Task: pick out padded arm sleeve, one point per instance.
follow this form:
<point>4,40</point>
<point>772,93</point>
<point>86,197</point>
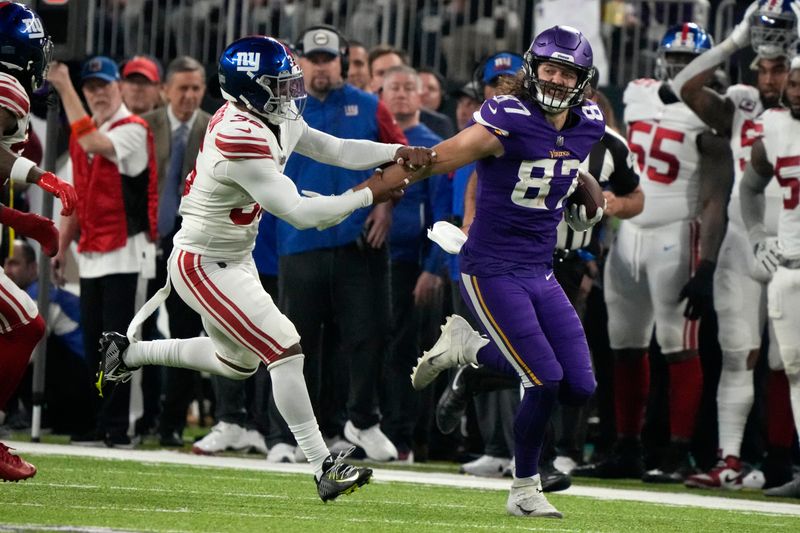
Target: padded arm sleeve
<point>354,154</point>
<point>278,194</point>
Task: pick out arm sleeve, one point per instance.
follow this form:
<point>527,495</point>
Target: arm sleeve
<point>624,179</point>
<point>354,154</point>
<point>130,147</point>
<point>388,130</point>
<point>276,193</point>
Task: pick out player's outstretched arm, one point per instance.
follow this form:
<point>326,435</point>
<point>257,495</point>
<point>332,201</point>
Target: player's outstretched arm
<point>471,144</point>
<point>278,194</point>
<point>690,83</point>
<point>359,154</point>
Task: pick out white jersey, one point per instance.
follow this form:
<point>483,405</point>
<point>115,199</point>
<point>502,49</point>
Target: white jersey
<point>219,217</point>
<point>782,144</point>
<point>664,138</point>
<point>14,98</point>
<point>241,163</point>
<point>16,307</point>
<point>745,129</point>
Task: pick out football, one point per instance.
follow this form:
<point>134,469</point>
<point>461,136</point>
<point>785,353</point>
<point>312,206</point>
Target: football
<point>588,193</point>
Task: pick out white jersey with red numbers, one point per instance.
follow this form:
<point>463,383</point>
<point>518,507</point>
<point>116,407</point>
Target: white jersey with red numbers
<point>745,129</point>
<point>663,136</point>
<point>782,144</point>
<point>220,219</point>
<point>16,307</point>
<point>14,98</point>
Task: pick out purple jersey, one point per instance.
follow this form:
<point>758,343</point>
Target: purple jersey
<point>521,194</point>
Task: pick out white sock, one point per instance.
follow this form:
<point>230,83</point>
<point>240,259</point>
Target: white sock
<point>195,354</point>
<point>734,401</point>
<point>291,399</point>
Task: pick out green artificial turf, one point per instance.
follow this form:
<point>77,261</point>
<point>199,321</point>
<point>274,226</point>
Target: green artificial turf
<point>84,493</point>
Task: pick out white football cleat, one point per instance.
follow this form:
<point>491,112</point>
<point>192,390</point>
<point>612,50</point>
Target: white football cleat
<point>227,436</point>
<point>486,466</point>
<point>375,444</point>
<point>281,453</point>
<point>457,345</point>
<point>527,499</point>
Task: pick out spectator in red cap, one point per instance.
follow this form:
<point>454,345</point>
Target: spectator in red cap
<point>141,85</point>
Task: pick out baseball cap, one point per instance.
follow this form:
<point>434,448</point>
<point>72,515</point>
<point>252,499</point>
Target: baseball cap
<point>502,64</point>
<point>321,40</point>
<point>471,90</point>
<point>100,67</point>
<point>142,66</point>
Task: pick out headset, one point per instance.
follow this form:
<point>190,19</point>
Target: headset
<point>344,45</point>
<point>477,73</point>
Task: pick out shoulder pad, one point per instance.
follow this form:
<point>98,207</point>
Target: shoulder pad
<point>242,137</point>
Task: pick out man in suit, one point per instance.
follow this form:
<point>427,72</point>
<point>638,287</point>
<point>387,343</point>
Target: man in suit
<point>178,130</point>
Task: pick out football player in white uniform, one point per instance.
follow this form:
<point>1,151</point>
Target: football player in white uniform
<point>777,153</point>
<point>237,174</point>
<point>661,257</point>
<point>24,53</point>
<point>740,295</point>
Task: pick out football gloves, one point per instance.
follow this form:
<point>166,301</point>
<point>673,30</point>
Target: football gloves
<point>60,189</point>
<point>577,218</point>
<point>768,252</point>
<point>741,32</point>
<point>699,291</point>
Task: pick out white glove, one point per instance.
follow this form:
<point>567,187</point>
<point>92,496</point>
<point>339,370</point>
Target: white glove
<point>768,254</point>
<point>577,219</point>
<point>312,194</point>
<point>448,236</point>
<point>741,32</point>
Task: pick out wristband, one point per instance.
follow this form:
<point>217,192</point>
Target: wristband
<point>83,126</point>
<point>19,172</point>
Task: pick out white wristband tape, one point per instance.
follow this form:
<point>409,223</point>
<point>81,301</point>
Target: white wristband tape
<point>20,169</point>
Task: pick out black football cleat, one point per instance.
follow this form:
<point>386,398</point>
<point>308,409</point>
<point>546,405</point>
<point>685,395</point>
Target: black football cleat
<point>112,368</point>
<point>553,480</point>
<point>453,402</point>
<point>624,462</point>
<point>340,478</point>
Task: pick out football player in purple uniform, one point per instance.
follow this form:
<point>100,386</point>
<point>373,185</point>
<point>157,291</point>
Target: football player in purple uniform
<point>528,144</point>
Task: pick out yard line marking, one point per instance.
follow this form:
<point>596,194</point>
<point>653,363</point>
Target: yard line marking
<point>392,521</point>
<point>407,476</point>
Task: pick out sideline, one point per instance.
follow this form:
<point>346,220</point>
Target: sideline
<point>409,476</point>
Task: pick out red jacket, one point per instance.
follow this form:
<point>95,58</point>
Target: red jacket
<point>113,206</point>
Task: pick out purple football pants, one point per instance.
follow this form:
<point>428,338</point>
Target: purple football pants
<point>537,335</point>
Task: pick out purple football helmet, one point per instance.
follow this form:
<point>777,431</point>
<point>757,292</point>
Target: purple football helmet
<point>564,46</point>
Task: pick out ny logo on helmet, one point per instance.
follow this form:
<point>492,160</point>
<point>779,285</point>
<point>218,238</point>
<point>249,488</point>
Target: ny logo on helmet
<point>34,28</point>
<point>247,61</point>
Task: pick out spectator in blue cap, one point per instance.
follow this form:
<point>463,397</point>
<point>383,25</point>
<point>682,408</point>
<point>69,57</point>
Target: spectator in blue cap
<point>496,66</point>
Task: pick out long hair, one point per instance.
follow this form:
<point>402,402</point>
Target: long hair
<point>513,85</point>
